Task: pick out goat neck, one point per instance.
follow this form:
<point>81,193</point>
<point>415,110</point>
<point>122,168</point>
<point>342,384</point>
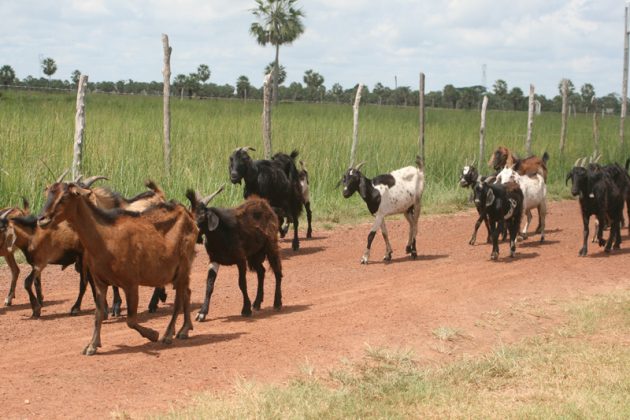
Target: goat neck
<point>369,194</point>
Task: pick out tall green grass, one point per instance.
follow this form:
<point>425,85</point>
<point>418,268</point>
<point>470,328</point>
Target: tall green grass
<point>124,142</point>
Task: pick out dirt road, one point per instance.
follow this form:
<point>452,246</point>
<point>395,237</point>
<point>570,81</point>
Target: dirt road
<point>334,307</point>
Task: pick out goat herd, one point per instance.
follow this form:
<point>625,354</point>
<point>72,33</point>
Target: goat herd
<point>149,241</point>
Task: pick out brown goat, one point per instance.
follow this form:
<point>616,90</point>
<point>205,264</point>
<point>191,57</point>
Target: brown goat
<point>128,249</point>
<point>503,157</point>
<point>7,251</point>
<point>241,236</point>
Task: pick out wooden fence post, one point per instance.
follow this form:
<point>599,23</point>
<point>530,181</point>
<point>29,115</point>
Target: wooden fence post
<point>166,72</point>
<point>79,127</point>
<point>595,125</point>
<point>624,87</point>
<point>355,127</point>
<point>267,115</point>
<point>563,129</point>
<point>530,120</point>
<point>421,103</point>
<point>482,129</point>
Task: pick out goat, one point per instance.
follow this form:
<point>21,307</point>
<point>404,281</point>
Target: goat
<point>288,164</point>
<point>503,157</point>
<point>244,235</point>
<point>534,196</point>
<point>399,191</point>
<point>468,178</point>
<point>268,179</point>
<point>7,251</point>
<point>598,195</point>
<point>128,249</point>
<point>504,204</point>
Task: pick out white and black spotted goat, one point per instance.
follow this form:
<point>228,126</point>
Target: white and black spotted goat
<point>394,193</point>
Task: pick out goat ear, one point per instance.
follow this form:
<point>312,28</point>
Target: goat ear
<point>569,175</point>
<point>10,239</point>
<point>489,198</point>
<point>213,220</point>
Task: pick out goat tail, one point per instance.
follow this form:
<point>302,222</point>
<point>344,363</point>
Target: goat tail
<point>150,184</point>
<point>26,207</point>
<point>419,162</point>
<point>294,154</point>
<point>627,164</point>
<point>545,157</point>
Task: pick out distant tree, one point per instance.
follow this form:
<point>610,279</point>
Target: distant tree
<point>612,101</point>
<point>7,75</point>
<point>379,91</point>
<point>337,92</point>
<point>570,87</point>
<point>296,90</point>
<point>279,23</point>
<point>120,86</point>
<point>75,76</point>
<point>203,73</point>
<point>180,83</point>
<point>49,67</point>
<point>314,83</point>
<point>242,87</point>
<point>516,98</point>
<point>500,89</point>
<point>450,95</point>
<point>587,93</point>
<point>282,73</point>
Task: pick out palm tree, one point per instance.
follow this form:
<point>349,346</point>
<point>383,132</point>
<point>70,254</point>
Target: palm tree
<point>280,22</point>
<point>49,67</point>
<point>7,75</point>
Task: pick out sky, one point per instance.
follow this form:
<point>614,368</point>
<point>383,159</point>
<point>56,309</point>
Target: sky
<point>346,41</point>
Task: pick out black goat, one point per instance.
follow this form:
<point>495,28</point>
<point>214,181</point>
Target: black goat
<point>503,204</point>
<point>598,195</point>
<point>268,179</point>
<point>288,164</point>
<point>469,177</point>
<point>244,235</point>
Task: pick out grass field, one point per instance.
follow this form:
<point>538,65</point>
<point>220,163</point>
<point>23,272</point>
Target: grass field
<point>580,370</point>
<point>124,142</point>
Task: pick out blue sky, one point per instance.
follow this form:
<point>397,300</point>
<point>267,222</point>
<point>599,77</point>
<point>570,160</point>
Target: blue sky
<point>347,41</point>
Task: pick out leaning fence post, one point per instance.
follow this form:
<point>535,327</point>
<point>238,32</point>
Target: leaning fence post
<point>267,115</point>
<point>421,104</point>
<point>166,72</point>
<point>482,128</point>
<point>530,120</point>
<point>565,102</point>
<point>355,127</point>
<point>594,102</point>
<point>79,127</point>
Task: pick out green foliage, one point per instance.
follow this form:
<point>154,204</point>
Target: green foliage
<point>123,141</point>
<point>49,67</point>
<point>7,75</point>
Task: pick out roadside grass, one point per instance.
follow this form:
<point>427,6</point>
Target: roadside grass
<point>582,370</point>
<point>123,141</point>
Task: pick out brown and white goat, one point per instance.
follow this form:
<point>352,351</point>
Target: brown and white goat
<point>242,236</point>
<point>504,158</point>
<point>128,250</point>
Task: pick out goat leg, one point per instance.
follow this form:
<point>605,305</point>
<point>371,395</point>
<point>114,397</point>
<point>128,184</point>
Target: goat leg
<point>35,305</point>
<point>260,291</point>
<point>583,251</point>
<point>99,315</point>
<point>183,332</point>
<point>212,275</point>
<point>388,246</point>
<point>38,288</point>
<point>242,284</point>
<point>473,238</point>
<point>495,239</point>
<point>296,242</point>
<point>276,267</point>
<point>76,308</point>
<point>159,293</point>
<point>309,216</point>
<point>131,295</point>
<point>15,272</point>
<point>117,303</point>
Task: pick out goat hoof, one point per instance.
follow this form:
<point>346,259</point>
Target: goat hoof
<point>364,261</point>
<point>74,311</point>
<point>602,242</point>
<point>182,335</point>
<point>166,340</point>
<point>494,256</point>
<point>152,335</point>
<point>542,239</point>
<point>471,242</point>
<point>387,257</point>
<point>582,253</point>
<point>309,234</point>
<point>607,250</point>
<point>247,312</point>
<point>200,317</point>
<point>152,309</point>
<point>162,295</point>
<point>7,302</point>
<point>256,306</point>
<point>277,306</point>
<point>414,255</point>
<point>89,350</point>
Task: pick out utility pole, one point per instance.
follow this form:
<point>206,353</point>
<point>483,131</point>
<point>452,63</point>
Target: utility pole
<point>624,87</point>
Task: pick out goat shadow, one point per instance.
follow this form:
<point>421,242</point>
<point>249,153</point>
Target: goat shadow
<point>519,256</point>
<point>536,243</point>
<point>164,309</point>
<point>154,349</point>
<point>408,259</point>
<point>27,305</point>
<point>288,253</point>
<point>611,254</point>
<point>264,313</point>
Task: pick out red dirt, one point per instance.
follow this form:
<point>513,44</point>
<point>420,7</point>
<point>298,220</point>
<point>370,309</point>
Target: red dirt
<point>334,307</point>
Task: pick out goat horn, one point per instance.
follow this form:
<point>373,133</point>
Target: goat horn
<point>77,179</point>
<point>4,215</point>
<point>597,158</point>
<point>91,180</point>
<point>245,149</point>
<point>356,168</point>
<point>209,198</point>
<point>63,175</point>
<point>577,161</point>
